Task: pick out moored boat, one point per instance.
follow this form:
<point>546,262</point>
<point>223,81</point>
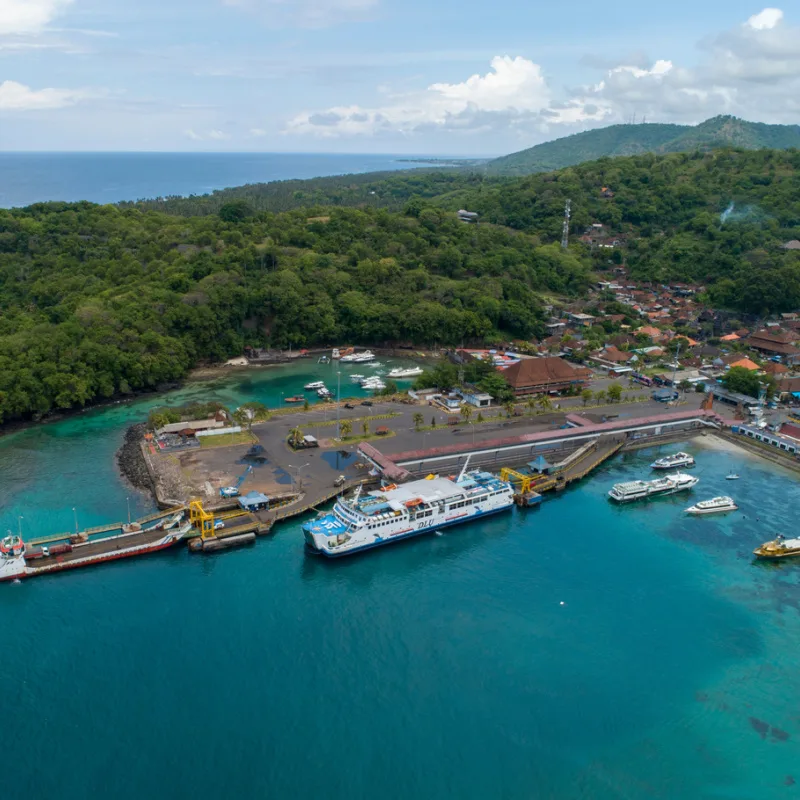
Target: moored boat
<point>716,505</point>
<point>405,372</point>
<point>400,512</point>
<point>779,547</point>
<point>675,461</point>
<point>732,477</point>
<point>314,385</point>
<point>298,398</point>
<point>637,490</point>
<point>18,561</point>
<point>335,353</point>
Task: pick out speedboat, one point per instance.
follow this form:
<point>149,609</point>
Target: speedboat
<point>315,385</point>
<point>716,505</point>
<point>323,392</point>
<point>732,477</point>
<point>355,377</point>
<point>675,461</point>
<point>405,372</point>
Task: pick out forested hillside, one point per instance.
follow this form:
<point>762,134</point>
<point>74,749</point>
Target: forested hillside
<point>717,218</point>
<point>625,140</point>
<point>98,300</point>
<point>390,190</point>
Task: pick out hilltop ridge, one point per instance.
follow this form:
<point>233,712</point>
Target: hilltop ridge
<point>650,137</point>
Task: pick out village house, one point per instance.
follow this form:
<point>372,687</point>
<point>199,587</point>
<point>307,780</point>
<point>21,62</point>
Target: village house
<point>775,343</point>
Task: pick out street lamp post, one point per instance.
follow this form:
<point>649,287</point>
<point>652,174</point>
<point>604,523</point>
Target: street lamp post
<point>19,526</point>
<point>338,403</point>
<point>128,501</point>
<point>297,469</point>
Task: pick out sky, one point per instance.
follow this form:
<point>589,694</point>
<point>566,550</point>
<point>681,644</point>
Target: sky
<point>449,77</point>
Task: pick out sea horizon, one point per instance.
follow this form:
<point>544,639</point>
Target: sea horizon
<point>28,177</point>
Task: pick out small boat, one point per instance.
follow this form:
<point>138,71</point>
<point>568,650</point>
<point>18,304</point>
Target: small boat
<point>356,378</point>
<point>717,505</point>
<point>779,547</point>
<point>298,398</point>
<point>407,372</point>
<point>314,385</point>
<point>335,353</point>
<point>323,393</point>
<point>675,461</point>
<point>323,360</point>
<point>732,477</point>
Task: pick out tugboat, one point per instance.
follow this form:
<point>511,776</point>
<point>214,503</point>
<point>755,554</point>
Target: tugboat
<point>717,505</point>
<point>675,461</point>
<point>779,547</point>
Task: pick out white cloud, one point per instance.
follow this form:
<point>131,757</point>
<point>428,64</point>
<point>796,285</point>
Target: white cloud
<point>513,88</point>
<point>257,133</point>
<point>304,13</point>
<point>766,19</point>
<point>751,71</point>
<point>18,97</point>
<point>212,135</point>
<point>28,16</point>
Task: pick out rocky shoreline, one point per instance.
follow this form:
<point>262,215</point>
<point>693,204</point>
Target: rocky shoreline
<point>131,461</point>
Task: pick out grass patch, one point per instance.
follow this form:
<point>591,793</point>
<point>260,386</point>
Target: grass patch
<point>227,440</point>
<point>361,438</point>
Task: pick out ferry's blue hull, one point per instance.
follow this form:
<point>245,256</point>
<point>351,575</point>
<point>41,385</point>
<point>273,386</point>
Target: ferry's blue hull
<point>409,535</point>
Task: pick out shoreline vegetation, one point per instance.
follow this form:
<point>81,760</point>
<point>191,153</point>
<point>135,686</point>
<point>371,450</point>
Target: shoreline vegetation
<point>105,302</point>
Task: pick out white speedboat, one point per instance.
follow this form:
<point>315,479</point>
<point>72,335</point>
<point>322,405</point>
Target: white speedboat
<point>356,378</point>
<point>675,461</point>
<point>636,490</point>
<point>315,385</point>
<point>716,505</point>
<point>405,372</point>
<point>323,392</point>
<point>732,477</point>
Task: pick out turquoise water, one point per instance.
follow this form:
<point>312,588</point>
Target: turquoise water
<point>579,651</point>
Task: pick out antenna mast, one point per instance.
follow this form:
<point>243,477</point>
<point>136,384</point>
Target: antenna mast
<point>565,231</point>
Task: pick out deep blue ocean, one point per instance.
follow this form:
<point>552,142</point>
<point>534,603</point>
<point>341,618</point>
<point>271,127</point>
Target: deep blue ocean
<point>583,650</point>
<point>27,178</point>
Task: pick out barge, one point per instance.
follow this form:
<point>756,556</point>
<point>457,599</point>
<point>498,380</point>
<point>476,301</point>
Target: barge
<point>18,561</point>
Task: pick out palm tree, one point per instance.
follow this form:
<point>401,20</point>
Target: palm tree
<point>479,418</point>
<point>296,436</point>
<point>586,396</point>
<point>346,428</point>
<point>545,403</point>
<point>418,420</point>
<point>531,404</point>
<point>365,427</point>
<point>466,412</point>
<point>508,407</point>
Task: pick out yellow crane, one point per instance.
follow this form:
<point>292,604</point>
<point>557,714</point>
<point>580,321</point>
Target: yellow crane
<point>507,474</point>
<point>201,519</point>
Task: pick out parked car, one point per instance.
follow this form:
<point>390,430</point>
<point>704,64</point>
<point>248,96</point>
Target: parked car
<point>366,403</point>
<point>219,524</point>
<point>349,405</point>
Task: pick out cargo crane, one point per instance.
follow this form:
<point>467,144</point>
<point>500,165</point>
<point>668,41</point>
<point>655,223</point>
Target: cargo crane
<point>233,491</point>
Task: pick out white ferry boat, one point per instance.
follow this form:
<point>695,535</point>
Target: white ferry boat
<point>400,512</point>
<point>357,358</point>
<point>675,461</point>
<point>408,372</point>
<point>636,490</point>
<point>315,385</point>
<point>717,505</point>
